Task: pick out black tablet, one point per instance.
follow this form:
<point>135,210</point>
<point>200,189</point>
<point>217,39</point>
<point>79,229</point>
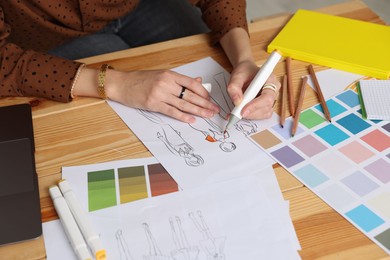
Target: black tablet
<point>16,123</point>
<point>20,217</point>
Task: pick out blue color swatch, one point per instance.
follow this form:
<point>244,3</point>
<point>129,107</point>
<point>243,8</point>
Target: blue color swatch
<point>335,108</point>
<point>364,218</point>
<point>311,176</point>
<point>285,131</point>
<point>349,98</point>
<point>353,123</point>
<point>331,134</point>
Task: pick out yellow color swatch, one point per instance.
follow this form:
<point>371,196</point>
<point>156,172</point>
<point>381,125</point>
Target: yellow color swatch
<point>337,42</point>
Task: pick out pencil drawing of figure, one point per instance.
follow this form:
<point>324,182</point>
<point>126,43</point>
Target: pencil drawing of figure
<point>183,250</point>
<point>173,140</point>
<point>245,126</point>
<point>213,246</point>
<point>224,102</point>
<point>215,134</point>
<point>154,252</point>
<point>124,252</point>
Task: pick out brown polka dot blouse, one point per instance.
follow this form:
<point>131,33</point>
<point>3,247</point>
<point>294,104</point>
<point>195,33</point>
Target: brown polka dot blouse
<point>28,28</point>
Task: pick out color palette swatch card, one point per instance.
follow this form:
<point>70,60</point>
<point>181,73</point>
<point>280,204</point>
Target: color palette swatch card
<point>111,184</point>
<point>375,99</point>
<point>345,162</point>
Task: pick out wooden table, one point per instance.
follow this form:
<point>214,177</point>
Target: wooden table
<point>87,131</point>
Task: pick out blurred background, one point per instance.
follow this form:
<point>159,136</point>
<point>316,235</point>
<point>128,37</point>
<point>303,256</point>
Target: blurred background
<point>262,8</point>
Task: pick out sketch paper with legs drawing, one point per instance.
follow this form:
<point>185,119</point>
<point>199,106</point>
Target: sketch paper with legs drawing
<point>233,219</point>
<point>200,153</point>
<point>235,214</point>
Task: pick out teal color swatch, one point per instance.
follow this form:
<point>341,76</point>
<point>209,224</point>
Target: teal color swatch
<point>335,108</point>
<point>331,134</point>
<point>353,123</point>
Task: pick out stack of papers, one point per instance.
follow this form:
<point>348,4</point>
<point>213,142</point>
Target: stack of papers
<point>241,218</point>
<point>375,99</point>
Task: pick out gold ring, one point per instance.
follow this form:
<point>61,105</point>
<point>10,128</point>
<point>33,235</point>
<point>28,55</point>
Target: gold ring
<point>270,86</point>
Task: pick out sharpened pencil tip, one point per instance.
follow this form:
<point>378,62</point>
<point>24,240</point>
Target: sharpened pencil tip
<point>282,126</point>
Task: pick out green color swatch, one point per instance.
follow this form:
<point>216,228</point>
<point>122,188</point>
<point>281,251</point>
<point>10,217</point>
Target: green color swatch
<point>101,190</point>
<point>310,119</point>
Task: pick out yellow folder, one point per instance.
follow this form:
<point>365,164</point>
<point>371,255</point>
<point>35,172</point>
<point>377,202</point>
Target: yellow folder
<point>337,42</point>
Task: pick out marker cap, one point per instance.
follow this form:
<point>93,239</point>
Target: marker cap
<point>101,255</point>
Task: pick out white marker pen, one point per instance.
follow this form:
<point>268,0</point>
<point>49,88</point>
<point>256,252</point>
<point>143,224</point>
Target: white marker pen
<point>71,229</point>
<point>254,87</point>
<point>89,233</point>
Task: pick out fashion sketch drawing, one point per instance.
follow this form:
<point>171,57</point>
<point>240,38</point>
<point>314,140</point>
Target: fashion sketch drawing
<point>173,140</point>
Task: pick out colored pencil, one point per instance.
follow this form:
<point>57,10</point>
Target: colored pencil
<point>290,86</point>
<point>284,101</point>
<point>319,93</point>
<point>299,106</point>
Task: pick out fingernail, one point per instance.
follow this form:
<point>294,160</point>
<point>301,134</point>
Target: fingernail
<point>236,100</point>
<point>245,113</point>
<point>209,113</point>
<point>191,120</point>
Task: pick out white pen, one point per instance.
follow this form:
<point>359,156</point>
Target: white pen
<point>254,87</point>
<point>89,233</point>
<point>71,229</point>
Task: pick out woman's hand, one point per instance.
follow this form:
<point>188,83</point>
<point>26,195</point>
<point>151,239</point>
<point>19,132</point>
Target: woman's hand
<point>262,106</point>
<point>160,91</point>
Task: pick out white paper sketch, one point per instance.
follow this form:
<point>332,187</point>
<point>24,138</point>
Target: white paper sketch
<point>248,211</point>
<point>154,251</point>
<point>173,140</point>
<point>212,155</point>
<point>214,246</point>
<point>245,126</point>
<point>123,247</point>
<point>215,134</point>
<point>183,250</point>
<point>221,99</point>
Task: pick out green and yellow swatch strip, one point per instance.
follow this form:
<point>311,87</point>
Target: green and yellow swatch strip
<point>101,189</point>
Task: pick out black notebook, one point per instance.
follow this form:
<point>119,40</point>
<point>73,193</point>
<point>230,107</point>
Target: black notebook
<point>20,217</point>
<point>16,123</point>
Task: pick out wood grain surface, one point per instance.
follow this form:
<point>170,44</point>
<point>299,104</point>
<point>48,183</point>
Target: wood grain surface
<point>87,131</point>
